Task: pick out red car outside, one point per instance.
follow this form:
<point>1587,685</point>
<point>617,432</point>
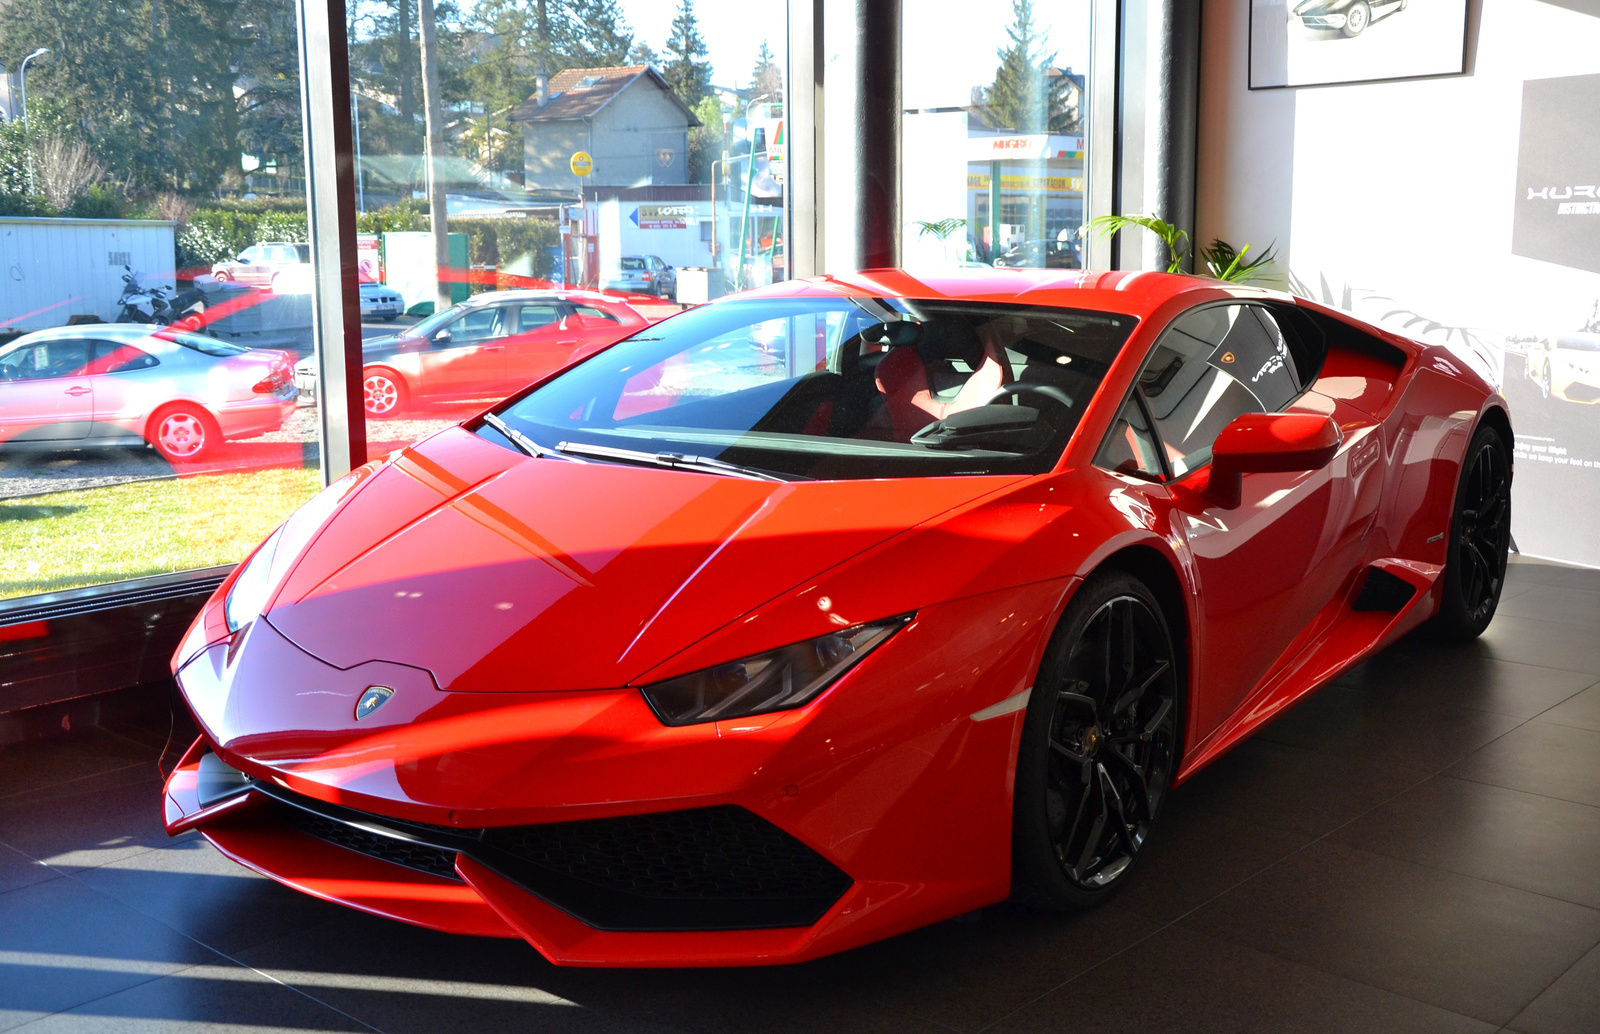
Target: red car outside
<point>485,348</point>
<point>833,609</point>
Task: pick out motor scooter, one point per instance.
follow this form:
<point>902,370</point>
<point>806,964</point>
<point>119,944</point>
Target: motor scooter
<point>140,304</point>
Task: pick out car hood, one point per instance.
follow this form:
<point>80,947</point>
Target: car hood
<point>502,573</point>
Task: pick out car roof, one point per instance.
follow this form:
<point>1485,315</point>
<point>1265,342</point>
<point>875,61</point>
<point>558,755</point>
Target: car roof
<point>1128,292</point>
<point>128,332</point>
<point>518,294</point>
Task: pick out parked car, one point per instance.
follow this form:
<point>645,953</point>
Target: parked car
<point>380,301</point>
<point>261,265</point>
<point>1567,367</point>
<point>806,654</point>
<point>486,347</point>
<point>119,384</point>
<point>642,274</point>
<point>1350,17</point>
<point>1043,253</point>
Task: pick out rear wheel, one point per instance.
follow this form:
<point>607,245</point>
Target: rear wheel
<point>183,433</point>
<point>383,392</point>
<point>1099,746</point>
<point>1479,540</point>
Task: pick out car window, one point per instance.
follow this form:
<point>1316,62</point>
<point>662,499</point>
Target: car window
<point>1212,365</point>
<point>477,325</point>
<point>532,317</point>
<point>286,253</point>
<point>302,253</point>
<point>1130,448</point>
<point>120,357</point>
<point>44,360</point>
<point>249,254</point>
<point>633,263</point>
<point>590,310</point>
<point>839,388</point>
<point>205,345</point>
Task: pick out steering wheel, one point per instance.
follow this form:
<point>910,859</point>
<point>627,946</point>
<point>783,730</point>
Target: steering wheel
<point>1049,391</point>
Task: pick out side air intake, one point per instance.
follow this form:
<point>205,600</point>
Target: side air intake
<point>1383,591</point>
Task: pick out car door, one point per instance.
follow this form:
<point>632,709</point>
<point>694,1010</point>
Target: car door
<point>466,357</point>
<point>1266,568</point>
<point>537,347</point>
<point>45,391</point>
<point>125,395</point>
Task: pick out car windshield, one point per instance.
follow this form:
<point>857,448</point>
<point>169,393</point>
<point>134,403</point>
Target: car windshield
<point>206,345</point>
<point>633,263</point>
<point>835,388</point>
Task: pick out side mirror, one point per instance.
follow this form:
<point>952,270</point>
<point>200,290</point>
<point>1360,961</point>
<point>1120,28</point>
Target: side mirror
<point>441,337</point>
<point>1268,443</point>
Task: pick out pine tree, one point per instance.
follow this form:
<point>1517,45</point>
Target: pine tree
<point>687,70</point>
<point>593,34</point>
<point>766,79</point>
<point>1024,95</point>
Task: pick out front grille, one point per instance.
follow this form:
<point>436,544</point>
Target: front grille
<point>435,861</point>
<point>718,868</point>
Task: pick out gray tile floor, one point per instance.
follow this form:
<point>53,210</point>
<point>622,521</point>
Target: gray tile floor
<point>1415,849</point>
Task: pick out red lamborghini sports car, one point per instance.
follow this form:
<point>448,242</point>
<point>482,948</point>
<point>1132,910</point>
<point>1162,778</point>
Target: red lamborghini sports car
<point>834,609</point>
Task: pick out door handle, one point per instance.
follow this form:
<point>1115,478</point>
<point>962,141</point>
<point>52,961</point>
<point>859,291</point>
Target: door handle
<point>80,390</point>
<point>494,348</point>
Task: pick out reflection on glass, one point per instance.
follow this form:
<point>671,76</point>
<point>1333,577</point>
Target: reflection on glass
<point>994,134</point>
<point>602,165</point>
<point>148,420</point>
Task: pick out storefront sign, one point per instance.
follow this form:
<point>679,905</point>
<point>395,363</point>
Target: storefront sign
<point>1050,184</point>
<point>662,217</point>
<point>1024,146</point>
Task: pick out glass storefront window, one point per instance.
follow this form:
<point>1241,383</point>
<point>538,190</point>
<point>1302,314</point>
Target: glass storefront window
<point>995,133</point>
<point>600,166</point>
<point>155,294</point>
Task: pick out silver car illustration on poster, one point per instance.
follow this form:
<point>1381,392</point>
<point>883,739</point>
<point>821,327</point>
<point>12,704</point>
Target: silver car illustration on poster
<point>1316,42</point>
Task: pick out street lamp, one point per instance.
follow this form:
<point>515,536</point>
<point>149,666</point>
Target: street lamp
<point>22,90</point>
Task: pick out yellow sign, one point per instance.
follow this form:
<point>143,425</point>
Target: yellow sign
<point>1052,184</point>
<point>581,163</point>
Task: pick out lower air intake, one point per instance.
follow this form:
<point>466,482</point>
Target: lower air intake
<point>426,858</point>
<point>719,868</point>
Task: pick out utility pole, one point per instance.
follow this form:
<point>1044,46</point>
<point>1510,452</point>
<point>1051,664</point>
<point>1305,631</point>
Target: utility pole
<point>434,117</point>
<point>22,89</point>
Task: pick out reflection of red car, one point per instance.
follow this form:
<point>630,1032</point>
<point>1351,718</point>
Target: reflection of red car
<point>110,384</point>
<point>486,347</point>
<point>823,612</point>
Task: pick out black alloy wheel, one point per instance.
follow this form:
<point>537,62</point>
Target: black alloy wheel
<point>1479,539</point>
<point>1099,746</point>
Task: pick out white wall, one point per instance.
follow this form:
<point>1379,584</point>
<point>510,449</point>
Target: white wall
<point>52,269</point>
<point>1396,200</point>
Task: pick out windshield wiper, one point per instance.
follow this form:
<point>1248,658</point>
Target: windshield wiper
<point>523,442</point>
<point>673,460</point>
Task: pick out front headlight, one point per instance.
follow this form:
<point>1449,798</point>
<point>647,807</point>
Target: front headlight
<point>783,679</point>
<point>253,586</point>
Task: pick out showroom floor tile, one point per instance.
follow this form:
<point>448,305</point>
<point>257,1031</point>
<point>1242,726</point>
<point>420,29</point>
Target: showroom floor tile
<point>1416,849</point>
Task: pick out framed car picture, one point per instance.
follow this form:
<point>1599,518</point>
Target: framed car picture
<point>1315,42</point>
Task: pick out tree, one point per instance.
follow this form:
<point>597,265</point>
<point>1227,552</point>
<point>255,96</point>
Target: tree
<point>148,86</point>
<point>267,87</point>
<point>593,34</point>
<point>687,70</point>
<point>766,79</point>
<point>705,140</point>
<point>1025,95</point>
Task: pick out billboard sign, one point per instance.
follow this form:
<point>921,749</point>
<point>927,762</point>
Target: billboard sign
<point>662,217</point>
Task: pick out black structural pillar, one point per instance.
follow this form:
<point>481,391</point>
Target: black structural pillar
<point>876,136</point>
<point>1158,112</point>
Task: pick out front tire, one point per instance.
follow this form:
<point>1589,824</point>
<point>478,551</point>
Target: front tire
<point>1479,540</point>
<point>1099,746</point>
<point>1357,19</point>
<point>383,393</point>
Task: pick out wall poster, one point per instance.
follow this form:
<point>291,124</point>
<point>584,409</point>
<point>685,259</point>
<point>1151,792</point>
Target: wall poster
<point>1315,42</point>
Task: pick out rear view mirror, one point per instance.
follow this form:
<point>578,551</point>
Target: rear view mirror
<point>1268,443</point>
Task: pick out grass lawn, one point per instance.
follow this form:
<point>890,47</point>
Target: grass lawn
<point>69,539</point>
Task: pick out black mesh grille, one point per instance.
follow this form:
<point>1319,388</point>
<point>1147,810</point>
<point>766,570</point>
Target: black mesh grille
<point>422,857</point>
<point>707,868</point>
<point>719,868</point>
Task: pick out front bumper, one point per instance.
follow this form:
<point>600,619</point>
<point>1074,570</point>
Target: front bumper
<point>882,806</point>
<point>1322,21</point>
